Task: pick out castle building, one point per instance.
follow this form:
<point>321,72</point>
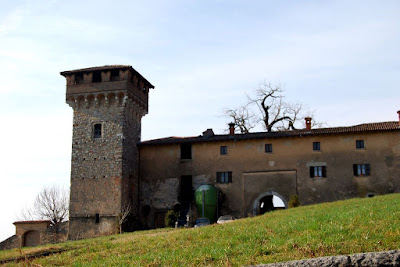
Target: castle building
<point>113,172</point>
<point>108,104</point>
<point>112,169</point>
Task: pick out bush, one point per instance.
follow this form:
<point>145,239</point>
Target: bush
<point>294,201</point>
<point>170,218</point>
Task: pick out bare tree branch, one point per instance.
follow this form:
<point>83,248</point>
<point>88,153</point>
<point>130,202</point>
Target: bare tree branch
<point>274,112</point>
<point>52,203</point>
<point>242,118</point>
<point>126,210</point>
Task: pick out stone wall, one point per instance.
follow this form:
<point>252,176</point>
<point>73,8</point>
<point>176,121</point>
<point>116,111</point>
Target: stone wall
<point>44,234</point>
<point>372,259</point>
<point>104,169</point>
<point>10,243</point>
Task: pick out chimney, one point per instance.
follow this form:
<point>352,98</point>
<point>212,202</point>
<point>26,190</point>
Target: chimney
<point>208,133</point>
<point>308,123</point>
<point>231,128</point>
<point>398,112</point>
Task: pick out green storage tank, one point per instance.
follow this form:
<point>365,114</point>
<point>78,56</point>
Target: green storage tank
<point>207,202</point>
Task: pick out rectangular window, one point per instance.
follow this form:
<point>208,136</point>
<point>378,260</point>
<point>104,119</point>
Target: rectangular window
<point>317,146</point>
<point>224,177</point>
<point>97,130</point>
<point>97,219</point>
<point>268,148</point>
<point>115,75</point>
<point>224,150</point>
<point>186,151</point>
<point>317,171</point>
<point>96,77</point>
<point>360,144</point>
<point>361,169</point>
<point>79,78</point>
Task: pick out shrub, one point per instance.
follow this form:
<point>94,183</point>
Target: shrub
<point>170,218</point>
<point>294,201</point>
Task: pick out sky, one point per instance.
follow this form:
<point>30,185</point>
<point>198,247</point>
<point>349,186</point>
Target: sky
<point>340,58</point>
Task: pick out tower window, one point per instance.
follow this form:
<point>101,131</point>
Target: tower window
<point>96,77</point>
<point>97,130</point>
<point>186,151</point>
<point>97,218</point>
<point>79,78</point>
<point>114,75</point>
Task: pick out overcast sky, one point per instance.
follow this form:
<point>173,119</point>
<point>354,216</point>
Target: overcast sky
<point>340,58</point>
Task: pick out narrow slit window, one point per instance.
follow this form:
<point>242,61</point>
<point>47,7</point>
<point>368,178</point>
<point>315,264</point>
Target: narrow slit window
<point>97,130</point>
<point>97,218</point>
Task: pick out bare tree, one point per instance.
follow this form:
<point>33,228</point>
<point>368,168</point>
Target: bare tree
<point>126,210</point>
<point>52,203</point>
<point>272,110</point>
<point>242,118</point>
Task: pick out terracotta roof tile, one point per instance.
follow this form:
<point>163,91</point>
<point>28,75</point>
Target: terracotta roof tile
<point>28,222</point>
<point>106,67</point>
<point>366,127</point>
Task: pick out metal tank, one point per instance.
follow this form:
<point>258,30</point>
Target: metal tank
<point>207,201</point>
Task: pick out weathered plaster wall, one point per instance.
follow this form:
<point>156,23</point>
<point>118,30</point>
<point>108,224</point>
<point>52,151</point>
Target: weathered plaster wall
<point>285,171</point>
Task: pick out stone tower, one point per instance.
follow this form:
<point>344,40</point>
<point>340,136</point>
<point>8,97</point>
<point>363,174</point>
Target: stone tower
<point>108,104</point>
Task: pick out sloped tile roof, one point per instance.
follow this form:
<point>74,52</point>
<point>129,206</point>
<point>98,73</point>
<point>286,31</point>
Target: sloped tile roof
<point>106,67</point>
<point>366,127</point>
<point>28,222</point>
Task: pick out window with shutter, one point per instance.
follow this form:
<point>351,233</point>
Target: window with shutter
<point>224,177</point>
<point>317,171</point>
<point>361,169</point>
<point>316,146</point>
<point>268,148</point>
<point>360,144</point>
<point>224,150</point>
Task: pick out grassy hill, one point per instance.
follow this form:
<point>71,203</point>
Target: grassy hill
<point>343,227</point>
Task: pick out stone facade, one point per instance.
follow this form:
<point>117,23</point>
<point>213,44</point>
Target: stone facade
<point>33,233</point>
<point>111,168</point>
<point>108,104</point>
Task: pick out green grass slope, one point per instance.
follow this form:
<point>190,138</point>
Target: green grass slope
<point>343,227</point>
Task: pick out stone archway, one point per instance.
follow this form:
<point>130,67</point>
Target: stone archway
<point>31,238</point>
<point>267,198</point>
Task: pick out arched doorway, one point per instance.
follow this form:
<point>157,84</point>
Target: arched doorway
<point>268,201</point>
<point>31,239</point>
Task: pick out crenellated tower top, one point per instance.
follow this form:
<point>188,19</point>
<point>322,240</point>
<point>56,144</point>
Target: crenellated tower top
<point>106,85</point>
